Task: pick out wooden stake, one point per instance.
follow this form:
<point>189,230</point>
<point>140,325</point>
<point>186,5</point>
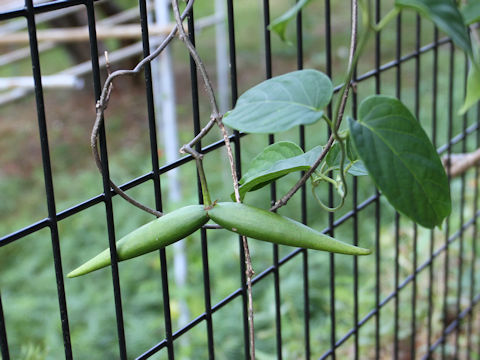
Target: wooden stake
<point>80,34</point>
<point>460,163</point>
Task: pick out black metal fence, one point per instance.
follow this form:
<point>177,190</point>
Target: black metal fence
<point>414,298</point>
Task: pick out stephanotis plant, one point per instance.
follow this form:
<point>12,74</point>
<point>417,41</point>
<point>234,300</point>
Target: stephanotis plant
<point>385,142</point>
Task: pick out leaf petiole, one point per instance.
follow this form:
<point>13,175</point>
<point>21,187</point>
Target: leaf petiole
<point>323,177</point>
<point>392,14</point>
<point>350,164</point>
<point>327,119</point>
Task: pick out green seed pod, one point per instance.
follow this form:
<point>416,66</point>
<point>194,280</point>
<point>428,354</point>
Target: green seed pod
<point>154,235</point>
<point>267,226</point>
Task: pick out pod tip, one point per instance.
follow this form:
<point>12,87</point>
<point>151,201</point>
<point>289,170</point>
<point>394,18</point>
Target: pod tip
<point>77,272</point>
<point>365,251</point>
<point>72,274</point>
<point>100,261</point>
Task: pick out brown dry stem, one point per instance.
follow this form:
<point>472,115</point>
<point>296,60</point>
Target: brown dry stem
<point>102,105</point>
<point>217,118</point>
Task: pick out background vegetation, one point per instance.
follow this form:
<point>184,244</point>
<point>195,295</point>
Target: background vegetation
<point>27,278</point>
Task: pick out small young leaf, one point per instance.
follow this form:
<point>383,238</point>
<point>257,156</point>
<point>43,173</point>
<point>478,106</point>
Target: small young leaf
<point>401,160</point>
<point>445,14</point>
<point>270,155</point>
<point>358,169</point>
<point>279,25</point>
<point>276,161</point>
<point>473,88</point>
<point>471,12</point>
<point>280,103</point>
<point>351,153</point>
<point>334,156</point>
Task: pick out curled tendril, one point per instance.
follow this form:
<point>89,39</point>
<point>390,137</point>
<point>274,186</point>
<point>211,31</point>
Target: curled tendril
<point>325,207</point>
<point>320,176</point>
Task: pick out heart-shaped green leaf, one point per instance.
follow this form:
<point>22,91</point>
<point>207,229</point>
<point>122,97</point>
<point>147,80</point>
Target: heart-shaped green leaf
<point>473,88</point>
<point>280,103</point>
<point>401,160</point>
<point>274,162</point>
<point>471,12</point>
<point>445,14</point>
<point>279,25</point>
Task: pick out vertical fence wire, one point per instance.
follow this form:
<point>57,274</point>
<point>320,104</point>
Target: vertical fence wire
<point>48,177</point>
<point>303,199</point>
<point>432,232</point>
<point>378,49</point>
<point>238,168</point>
<point>150,106</point>
<point>331,218</point>
<point>398,90</point>
<point>356,344</point>
<point>462,217</point>
<point>475,241</point>
<point>3,334</point>
<point>156,175</point>
<point>355,239</point>
<point>155,169</point>
<point>273,187</point>
<point>203,231</point>
<point>413,322</point>
<point>473,267</point>
<point>446,267</point>
<point>354,92</point>
<point>106,183</point>
<point>166,304</point>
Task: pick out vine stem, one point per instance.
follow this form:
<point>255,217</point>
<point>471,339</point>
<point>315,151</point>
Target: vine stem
<point>339,109</point>
<point>102,105</point>
<point>476,38</point>
<point>217,118</point>
<point>392,14</point>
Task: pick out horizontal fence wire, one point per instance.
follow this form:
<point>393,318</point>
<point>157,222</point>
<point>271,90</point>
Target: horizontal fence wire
<point>40,8</point>
<point>434,342</point>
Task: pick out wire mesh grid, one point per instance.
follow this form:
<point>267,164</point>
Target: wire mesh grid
<point>414,298</point>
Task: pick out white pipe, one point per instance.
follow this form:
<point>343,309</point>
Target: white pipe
<point>165,105</point>
<point>221,52</point>
<point>165,109</point>
<point>48,81</point>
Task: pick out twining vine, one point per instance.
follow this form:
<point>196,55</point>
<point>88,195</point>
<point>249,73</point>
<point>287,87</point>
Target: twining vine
<point>386,142</point>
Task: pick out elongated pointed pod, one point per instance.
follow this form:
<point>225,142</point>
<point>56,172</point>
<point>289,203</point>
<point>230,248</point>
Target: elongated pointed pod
<point>267,226</point>
<point>154,235</point>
